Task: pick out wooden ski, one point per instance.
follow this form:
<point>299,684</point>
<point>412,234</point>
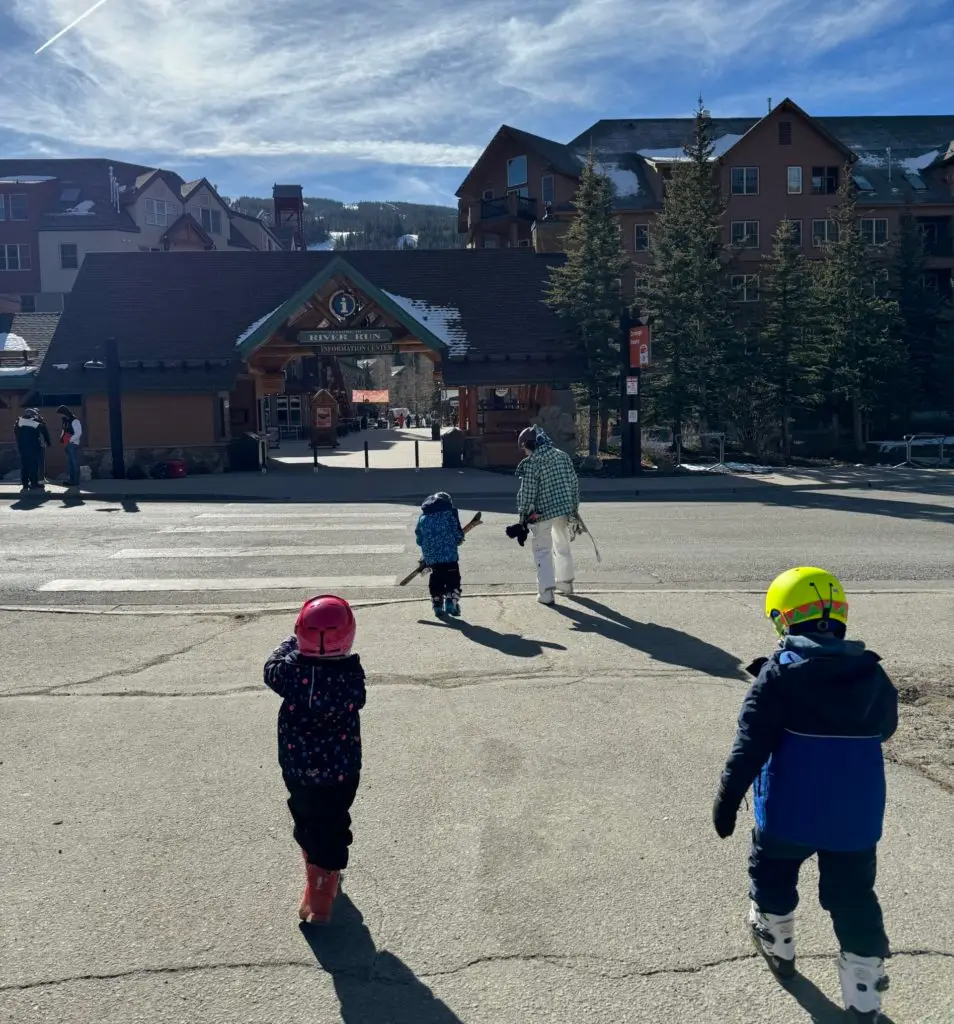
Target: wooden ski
<point>417,572</point>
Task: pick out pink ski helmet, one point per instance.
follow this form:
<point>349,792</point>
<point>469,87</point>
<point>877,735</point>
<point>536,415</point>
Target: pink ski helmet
<point>325,627</point>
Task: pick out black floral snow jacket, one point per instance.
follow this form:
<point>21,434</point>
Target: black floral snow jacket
<point>319,729</point>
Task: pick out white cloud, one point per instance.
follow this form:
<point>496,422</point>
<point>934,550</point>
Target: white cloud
<point>400,82</point>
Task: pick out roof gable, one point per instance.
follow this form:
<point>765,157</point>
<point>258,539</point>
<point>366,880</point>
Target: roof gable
<point>728,143</point>
<point>556,154</point>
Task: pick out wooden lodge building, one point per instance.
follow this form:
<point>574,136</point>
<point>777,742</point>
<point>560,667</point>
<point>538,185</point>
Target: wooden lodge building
<point>204,339</point>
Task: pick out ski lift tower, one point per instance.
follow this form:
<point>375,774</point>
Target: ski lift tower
<point>289,222</point>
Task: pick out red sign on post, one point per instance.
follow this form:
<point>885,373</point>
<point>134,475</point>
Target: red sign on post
<point>639,342</point>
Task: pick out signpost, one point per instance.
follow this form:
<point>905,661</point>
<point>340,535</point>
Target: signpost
<point>357,342</point>
<point>634,352</point>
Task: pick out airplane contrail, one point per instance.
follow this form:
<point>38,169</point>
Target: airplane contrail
<point>71,26</point>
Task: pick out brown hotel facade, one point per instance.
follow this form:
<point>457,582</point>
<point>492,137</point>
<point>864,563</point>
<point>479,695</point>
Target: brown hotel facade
<point>786,165</point>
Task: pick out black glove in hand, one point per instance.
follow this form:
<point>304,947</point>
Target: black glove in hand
<point>724,814</point>
<point>518,532</point>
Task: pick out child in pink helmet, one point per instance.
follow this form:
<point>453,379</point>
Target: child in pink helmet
<point>322,686</point>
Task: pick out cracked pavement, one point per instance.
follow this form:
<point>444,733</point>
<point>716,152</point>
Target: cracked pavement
<point>532,835</point>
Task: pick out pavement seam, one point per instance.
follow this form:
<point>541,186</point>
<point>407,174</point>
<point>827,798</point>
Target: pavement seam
<point>368,973</point>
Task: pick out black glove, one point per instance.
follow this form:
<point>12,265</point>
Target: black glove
<point>518,532</point>
<point>724,813</point>
<point>756,667</point>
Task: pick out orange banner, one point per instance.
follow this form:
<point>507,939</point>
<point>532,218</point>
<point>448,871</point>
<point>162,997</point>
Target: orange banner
<point>370,397</point>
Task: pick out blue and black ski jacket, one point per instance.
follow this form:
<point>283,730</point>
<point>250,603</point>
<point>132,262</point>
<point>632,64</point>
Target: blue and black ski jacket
<point>809,739</point>
<point>438,532</point>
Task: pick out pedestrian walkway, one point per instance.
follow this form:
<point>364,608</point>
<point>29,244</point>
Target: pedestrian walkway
<point>387,449</point>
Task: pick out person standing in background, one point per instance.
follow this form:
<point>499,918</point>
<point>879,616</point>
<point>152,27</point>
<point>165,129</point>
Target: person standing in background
<point>31,435</point>
<point>71,434</point>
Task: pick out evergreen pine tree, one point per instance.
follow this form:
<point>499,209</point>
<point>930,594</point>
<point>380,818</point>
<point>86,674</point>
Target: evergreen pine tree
<point>792,355</point>
<point>857,322</point>
<point>585,290</point>
<point>687,299</point>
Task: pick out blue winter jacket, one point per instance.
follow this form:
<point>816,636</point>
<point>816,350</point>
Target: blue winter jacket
<point>438,531</point>
<point>809,739</point>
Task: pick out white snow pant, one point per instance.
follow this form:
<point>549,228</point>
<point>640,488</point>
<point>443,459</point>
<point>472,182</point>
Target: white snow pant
<point>550,542</point>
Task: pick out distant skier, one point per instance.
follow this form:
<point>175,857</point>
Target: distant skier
<point>322,687</point>
<point>439,535</point>
<point>547,500</point>
<point>809,738</point>
<point>32,437</point>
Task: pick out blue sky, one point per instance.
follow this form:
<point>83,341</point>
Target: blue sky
<point>394,99</point>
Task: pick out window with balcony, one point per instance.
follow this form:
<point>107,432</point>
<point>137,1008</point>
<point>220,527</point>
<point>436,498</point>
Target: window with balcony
<point>160,213</point>
<point>745,181</point>
<point>17,207</point>
<point>516,171</point>
<point>641,239</point>
<point>824,181</point>
<point>14,257</point>
<point>823,232</point>
<point>745,233</point>
<point>547,189</point>
<point>747,287</point>
<point>874,230</point>
<point>69,256</point>
<point>794,181</point>
<point>211,220</point>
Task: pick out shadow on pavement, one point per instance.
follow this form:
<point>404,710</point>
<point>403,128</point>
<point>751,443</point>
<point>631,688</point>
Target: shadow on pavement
<point>373,986</point>
<point>661,643</point>
<point>507,643</point>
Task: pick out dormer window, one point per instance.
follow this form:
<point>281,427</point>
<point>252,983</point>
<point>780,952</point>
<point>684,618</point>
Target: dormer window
<point>211,220</point>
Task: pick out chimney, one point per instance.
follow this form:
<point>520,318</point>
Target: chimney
<point>770,104</point>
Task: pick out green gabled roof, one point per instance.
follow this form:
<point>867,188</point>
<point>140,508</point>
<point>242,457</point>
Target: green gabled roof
<point>264,328</point>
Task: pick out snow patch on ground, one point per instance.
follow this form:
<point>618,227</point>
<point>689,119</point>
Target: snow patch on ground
<point>442,321</point>
<point>625,182</point>
<point>13,343</point>
<point>732,467</point>
<point>252,328</point>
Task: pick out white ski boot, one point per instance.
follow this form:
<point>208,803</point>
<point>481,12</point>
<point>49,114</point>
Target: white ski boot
<point>862,981</point>
<point>774,938</point>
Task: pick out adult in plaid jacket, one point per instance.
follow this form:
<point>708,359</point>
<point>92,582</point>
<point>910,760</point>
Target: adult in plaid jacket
<point>549,496</point>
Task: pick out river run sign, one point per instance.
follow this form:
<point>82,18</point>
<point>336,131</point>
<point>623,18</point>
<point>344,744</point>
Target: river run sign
<point>368,342</point>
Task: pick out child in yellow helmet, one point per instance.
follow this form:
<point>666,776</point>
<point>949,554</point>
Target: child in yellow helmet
<point>809,740</point>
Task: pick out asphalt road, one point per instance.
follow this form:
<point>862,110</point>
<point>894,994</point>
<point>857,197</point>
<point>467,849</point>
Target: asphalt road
<point>113,554</point>
<point>533,840</point>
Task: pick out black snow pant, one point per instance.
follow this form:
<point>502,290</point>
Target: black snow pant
<point>444,581</point>
<point>846,889</point>
<point>323,821</point>
<point>30,461</point>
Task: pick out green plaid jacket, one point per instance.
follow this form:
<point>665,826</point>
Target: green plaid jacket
<point>549,486</point>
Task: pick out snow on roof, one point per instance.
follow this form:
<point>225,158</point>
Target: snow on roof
<point>720,147</point>
<point>336,235</point>
<point>442,321</point>
<point>326,246</point>
<point>13,343</point>
<point>252,328</point>
<point>18,371</point>
<point>905,163</point>
<point>26,179</point>
<point>625,182</point>
<point>350,206</point>
<point>61,366</point>
<point>922,162</point>
<point>724,143</point>
<point>83,209</point>
<point>407,242</point>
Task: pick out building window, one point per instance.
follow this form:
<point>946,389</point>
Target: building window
<point>27,303</point>
<point>18,206</point>
<point>516,171</point>
<point>523,243</point>
<point>745,233</point>
<point>874,230</point>
<point>796,232</point>
<point>745,181</point>
<point>746,287</point>
<point>929,233</point>
<point>69,256</point>
<point>640,287</point>
<point>546,189</point>
<point>487,194</point>
<point>785,133</point>
<point>824,231</point>
<point>824,181</point>
<point>794,181</point>
<point>641,238</point>
<point>211,220</point>
<point>160,213</point>
<point>14,257</point>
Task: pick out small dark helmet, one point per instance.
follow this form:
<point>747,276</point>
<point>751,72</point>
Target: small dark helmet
<point>528,438</point>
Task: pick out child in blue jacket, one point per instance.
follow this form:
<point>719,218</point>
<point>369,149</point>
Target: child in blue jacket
<point>439,535</point>
<point>809,739</point>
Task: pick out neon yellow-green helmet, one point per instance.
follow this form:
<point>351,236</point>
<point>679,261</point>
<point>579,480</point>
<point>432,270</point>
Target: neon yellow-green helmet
<point>806,594</point>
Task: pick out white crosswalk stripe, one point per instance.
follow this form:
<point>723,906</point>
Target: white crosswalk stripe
<point>132,586</point>
<point>262,552</point>
<point>239,527</point>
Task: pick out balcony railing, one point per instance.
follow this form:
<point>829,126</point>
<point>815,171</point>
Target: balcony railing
<point>512,205</point>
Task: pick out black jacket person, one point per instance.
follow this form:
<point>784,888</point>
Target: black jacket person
<point>31,435</point>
